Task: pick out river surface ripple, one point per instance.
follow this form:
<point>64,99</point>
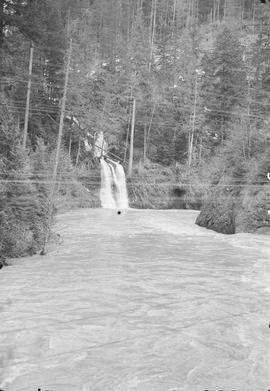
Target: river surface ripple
<point>145,300</point>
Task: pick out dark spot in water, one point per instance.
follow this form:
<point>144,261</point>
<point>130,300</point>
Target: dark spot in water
<point>119,212</point>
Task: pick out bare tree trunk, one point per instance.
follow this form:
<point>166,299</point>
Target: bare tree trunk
<point>214,10</point>
<point>61,123</point>
<point>193,122</point>
<point>129,21</point>
<point>69,144</point>
<point>144,143</point>
<point>225,12</point>
<point>253,15</point>
<point>130,165</point>
<point>150,126</point>
<point>2,37</point>
<point>127,136</point>
<point>248,125</point>
<point>1,24</point>
<point>242,11</point>
<point>79,152</point>
<point>126,145</point>
<point>151,23</point>
<point>26,118</point>
<point>174,13</point>
<point>222,132</point>
<point>153,28</point>
<point>218,9</point>
<point>166,19</point>
<point>128,131</point>
<point>243,137</point>
<point>200,150</point>
<point>58,147</point>
<point>188,14</point>
<point>197,13</point>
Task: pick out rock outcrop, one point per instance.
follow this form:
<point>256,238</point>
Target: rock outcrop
<point>246,212</point>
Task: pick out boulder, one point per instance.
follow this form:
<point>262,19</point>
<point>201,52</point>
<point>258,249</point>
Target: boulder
<point>246,212</point>
<point>219,215</point>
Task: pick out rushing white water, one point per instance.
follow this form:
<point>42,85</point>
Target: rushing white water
<point>142,301</point>
<point>122,198</point>
<point>113,193</point>
<point>106,195</point>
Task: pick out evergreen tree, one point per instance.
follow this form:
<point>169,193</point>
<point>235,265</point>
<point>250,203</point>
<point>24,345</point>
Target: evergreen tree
<point>224,89</point>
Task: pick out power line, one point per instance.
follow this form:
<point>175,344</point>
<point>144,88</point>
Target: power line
<point>184,108</point>
<point>173,104</point>
<point>186,86</point>
<point>31,180</point>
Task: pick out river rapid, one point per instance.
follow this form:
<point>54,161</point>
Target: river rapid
<point>142,301</point>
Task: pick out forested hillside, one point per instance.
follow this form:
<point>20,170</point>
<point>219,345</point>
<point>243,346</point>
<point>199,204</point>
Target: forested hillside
<point>193,74</point>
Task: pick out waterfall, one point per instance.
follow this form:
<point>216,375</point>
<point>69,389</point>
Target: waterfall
<point>113,192</point>
<point>122,187</point>
<point>106,196</point>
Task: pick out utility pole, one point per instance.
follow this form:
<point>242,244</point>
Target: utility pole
<point>58,147</point>
<point>26,118</point>
<point>132,139</point>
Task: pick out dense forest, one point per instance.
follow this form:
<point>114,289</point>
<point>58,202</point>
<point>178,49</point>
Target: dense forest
<point>193,75</point>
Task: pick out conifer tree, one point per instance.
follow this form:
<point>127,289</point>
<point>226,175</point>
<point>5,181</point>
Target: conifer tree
<point>225,84</point>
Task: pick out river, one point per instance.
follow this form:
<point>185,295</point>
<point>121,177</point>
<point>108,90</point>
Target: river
<point>144,301</point>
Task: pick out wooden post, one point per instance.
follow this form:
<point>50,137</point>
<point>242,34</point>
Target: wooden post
<point>130,164</point>
<point>26,118</point>
<point>58,148</point>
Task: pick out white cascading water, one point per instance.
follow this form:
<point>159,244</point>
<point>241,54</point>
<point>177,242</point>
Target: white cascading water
<point>113,192</point>
<point>106,196</point>
<point>122,186</point>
